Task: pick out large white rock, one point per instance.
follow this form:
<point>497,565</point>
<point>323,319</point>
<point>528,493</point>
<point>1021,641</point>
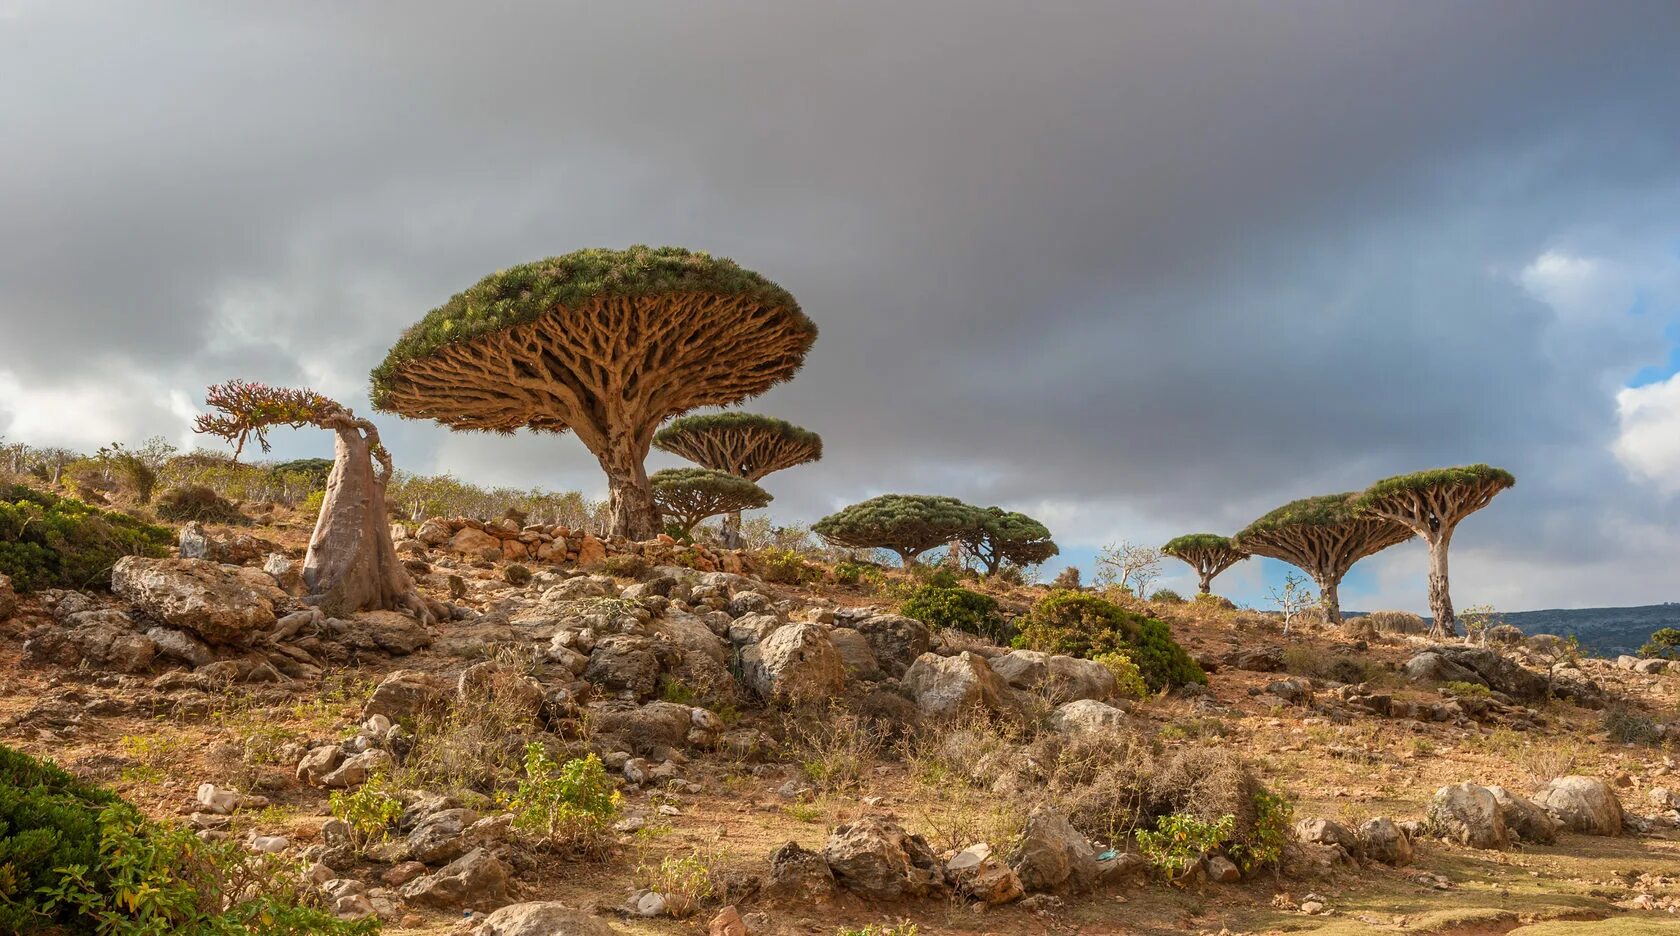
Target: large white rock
<point>949,686</point>
<point>797,663</point>
<point>1470,815</point>
<point>541,918</point>
<point>222,604</point>
<point>1583,804</point>
<point>1087,716</point>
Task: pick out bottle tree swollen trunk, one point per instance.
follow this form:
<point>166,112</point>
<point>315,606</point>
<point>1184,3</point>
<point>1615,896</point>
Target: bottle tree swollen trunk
<point>732,529</point>
<point>1440,599</point>
<point>1206,584</point>
<point>351,564</point>
<point>1329,601</point>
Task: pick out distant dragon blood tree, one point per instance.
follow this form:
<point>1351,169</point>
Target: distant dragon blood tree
<point>351,564</point>
<point>747,445</point>
<point>1208,553</point>
<point>686,496</point>
<point>1431,504</point>
<point>907,524</point>
<point>605,343</point>
<point>1323,536</point>
<point>1000,536</point>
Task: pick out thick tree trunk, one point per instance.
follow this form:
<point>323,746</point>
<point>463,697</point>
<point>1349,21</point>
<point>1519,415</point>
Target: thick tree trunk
<point>629,496</point>
<point>732,529</point>
<point>351,564</point>
<point>1206,583</point>
<point>1440,600</point>
<point>1330,602</point>
<point>906,559</point>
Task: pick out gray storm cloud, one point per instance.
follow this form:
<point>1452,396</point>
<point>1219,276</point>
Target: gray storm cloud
<point>1148,267</point>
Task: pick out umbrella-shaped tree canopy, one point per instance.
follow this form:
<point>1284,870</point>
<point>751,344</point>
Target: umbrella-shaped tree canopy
<point>1208,553</point>
<point>1323,536</point>
<point>605,343</point>
<point>687,496</point>
<point>744,444</point>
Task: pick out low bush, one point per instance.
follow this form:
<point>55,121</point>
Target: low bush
<point>848,572</point>
<point>623,565</point>
<point>958,609</point>
<point>50,541</point>
<point>1084,625</point>
<point>369,811</point>
<point>1210,600</point>
<point>77,859</point>
<point>1397,622</point>
<point>786,567</point>
<point>1068,579</point>
<point>1628,726</point>
<point>569,805</point>
<point>684,881</point>
<point>1167,596</point>
<point>1178,842</point>
<point>1664,644</point>
<point>1302,660</point>
<point>190,502</point>
<point>1128,681</point>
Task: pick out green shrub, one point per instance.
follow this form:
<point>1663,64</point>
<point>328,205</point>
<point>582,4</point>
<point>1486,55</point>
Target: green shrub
<point>1664,644</point>
<point>903,928</point>
<point>48,541</point>
<point>1167,596</point>
<point>1274,816</point>
<point>1467,690</point>
<point>786,567</point>
<point>369,811</point>
<point>312,504</point>
<point>1084,625</point>
<point>1128,682</point>
<point>77,859</point>
<point>1179,841</point>
<point>1210,600</point>
<point>623,565</point>
<point>569,805</point>
<point>848,573</point>
<point>958,609</point>
<point>196,502</point>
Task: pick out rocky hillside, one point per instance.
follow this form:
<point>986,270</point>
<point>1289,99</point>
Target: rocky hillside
<point>638,738</point>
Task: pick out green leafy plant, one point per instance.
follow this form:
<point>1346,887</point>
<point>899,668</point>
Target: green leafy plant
<point>1128,681</point>
<point>570,805</point>
<point>902,928</point>
<point>1084,625</point>
<point>1180,840</point>
<point>958,609</point>
<point>786,567</point>
<point>1664,644</point>
<point>1274,815</point>
<point>848,572</point>
<point>1166,596</point>
<point>198,502</point>
<point>369,811</point>
<point>907,524</point>
<point>684,881</point>
<point>1467,690</point>
<point>48,541</point>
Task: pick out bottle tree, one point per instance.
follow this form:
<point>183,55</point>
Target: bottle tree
<point>1000,536</point>
<point>746,445</point>
<point>351,564</point>
<point>1208,553</point>
<point>1431,504</point>
<point>907,524</point>
<point>686,496</point>
<point>1323,536</point>
<point>605,343</point>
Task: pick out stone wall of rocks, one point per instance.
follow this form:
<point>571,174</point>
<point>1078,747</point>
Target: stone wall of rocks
<point>504,540</point>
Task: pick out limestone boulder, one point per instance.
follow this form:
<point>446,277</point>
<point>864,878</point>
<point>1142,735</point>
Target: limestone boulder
<point>944,687</point>
<point>1582,804</point>
<point>875,858</point>
<point>1469,815</point>
<point>228,605</point>
<point>796,663</point>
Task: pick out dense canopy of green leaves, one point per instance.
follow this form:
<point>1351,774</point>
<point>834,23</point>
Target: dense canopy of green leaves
<point>700,423</point>
<point>1191,542</point>
<point>1320,510</point>
<point>690,495</point>
<point>1000,536</point>
<point>1084,625</point>
<point>47,540</point>
<point>908,524</point>
<point>1465,476</point>
<point>524,293</point>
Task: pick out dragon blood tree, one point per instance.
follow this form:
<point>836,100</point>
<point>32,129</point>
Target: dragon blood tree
<point>1323,536</point>
<point>351,564</point>
<point>686,496</point>
<point>1431,504</point>
<point>907,524</point>
<point>605,343</point>
<point>1208,553</point>
<point>1000,536</point>
<point>744,444</point>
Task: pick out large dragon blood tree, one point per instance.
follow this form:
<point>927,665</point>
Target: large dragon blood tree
<point>686,496</point>
<point>907,524</point>
<point>1323,536</point>
<point>1000,536</point>
<point>1431,504</point>
<point>351,564</point>
<point>746,445</point>
<point>1208,553</point>
<point>605,343</point>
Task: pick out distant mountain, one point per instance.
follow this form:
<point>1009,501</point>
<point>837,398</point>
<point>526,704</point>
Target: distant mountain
<point>1603,632</point>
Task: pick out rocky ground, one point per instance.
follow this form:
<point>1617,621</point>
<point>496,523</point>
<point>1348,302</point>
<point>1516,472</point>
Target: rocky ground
<point>798,758</point>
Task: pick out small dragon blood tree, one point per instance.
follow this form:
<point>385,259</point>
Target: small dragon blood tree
<point>607,344</point>
<point>907,524</point>
<point>746,445</point>
<point>686,496</point>
<point>1431,504</point>
<point>1000,536</point>
<point>351,564</point>
<point>1208,553</point>
<point>1323,536</point>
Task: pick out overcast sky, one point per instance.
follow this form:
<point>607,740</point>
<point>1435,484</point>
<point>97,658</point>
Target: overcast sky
<point>1135,268</point>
